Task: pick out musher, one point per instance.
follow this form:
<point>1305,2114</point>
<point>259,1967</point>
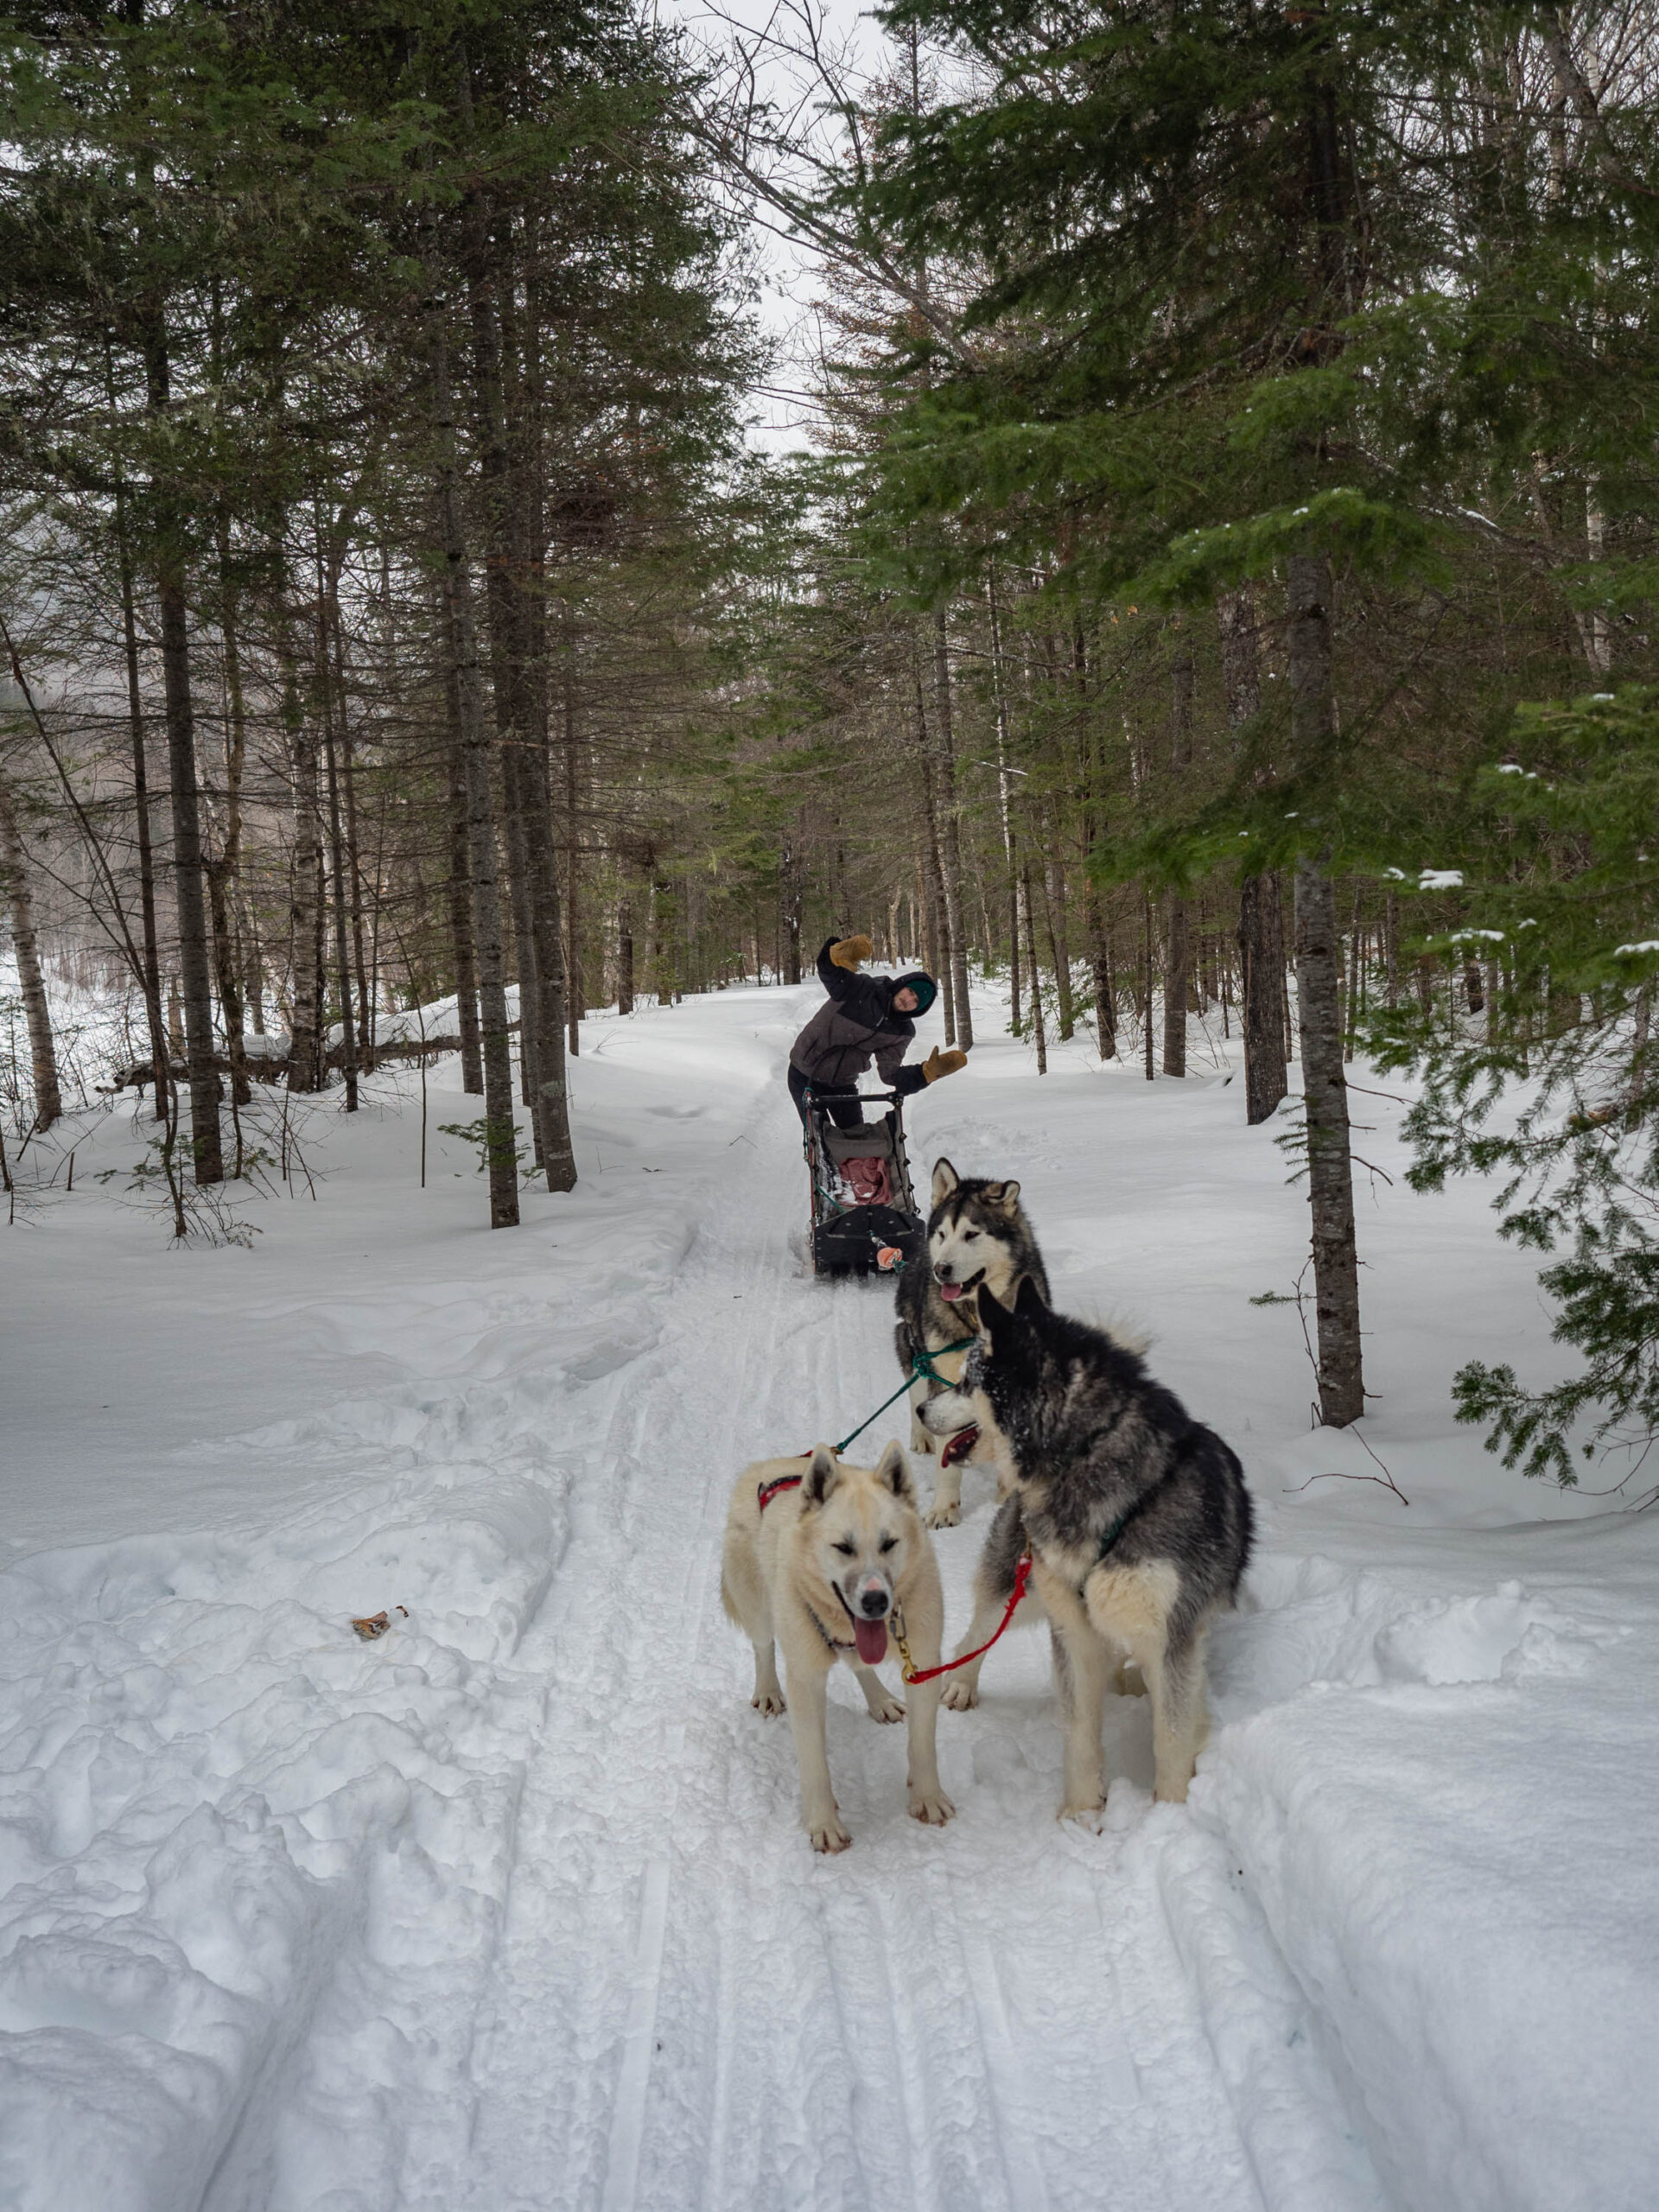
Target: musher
<point>866,1018</point>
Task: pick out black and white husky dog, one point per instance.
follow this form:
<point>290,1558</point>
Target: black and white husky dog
<point>1137,1517</point>
<point>977,1237</point>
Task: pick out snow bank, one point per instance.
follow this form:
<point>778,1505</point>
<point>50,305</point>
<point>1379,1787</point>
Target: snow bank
<point>1444,1806</point>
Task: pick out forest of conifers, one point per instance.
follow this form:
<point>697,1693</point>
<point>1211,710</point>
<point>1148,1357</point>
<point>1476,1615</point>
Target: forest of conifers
<point>1220,583</point>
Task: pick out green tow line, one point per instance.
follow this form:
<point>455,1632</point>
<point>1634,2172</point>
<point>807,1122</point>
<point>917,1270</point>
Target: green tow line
<point>921,1370</point>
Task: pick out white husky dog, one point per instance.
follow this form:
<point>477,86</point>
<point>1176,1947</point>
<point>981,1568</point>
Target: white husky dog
<point>820,1557</point>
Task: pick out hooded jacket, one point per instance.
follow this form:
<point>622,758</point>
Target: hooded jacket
<point>855,1024</point>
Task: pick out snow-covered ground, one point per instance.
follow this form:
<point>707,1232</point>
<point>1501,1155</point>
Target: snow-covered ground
<point>511,1909</point>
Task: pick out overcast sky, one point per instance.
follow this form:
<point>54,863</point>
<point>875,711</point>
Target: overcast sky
<point>781,422</point>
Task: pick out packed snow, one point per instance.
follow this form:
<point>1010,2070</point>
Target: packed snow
<point>511,1909</point>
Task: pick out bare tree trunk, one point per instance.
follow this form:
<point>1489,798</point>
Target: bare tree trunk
<point>1147,970</point>
<point>1261,928</point>
<point>223,873</point>
<point>1262,959</point>
<point>950,851</point>
<point>304,1054</point>
<point>506,627</point>
<point>1100,954</point>
<point>1037,1029</point>
<point>156,1020</point>
<point>1177,960</point>
<point>342,940</point>
<point>575,987</point>
<point>624,955</point>
<point>1324,1087</point>
<point>365,984</point>
<point>461,900</point>
<point>1177,955</point>
<point>939,949</point>
<point>1003,781</point>
<point>1053,880</point>
<point>1391,946</point>
<point>557,1150</point>
<point>790,893</point>
<point>500,1128</point>
<point>195,968</point>
<point>48,1101</point>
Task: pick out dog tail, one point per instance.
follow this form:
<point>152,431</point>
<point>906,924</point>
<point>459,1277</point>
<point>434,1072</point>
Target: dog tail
<point>1124,1329</point>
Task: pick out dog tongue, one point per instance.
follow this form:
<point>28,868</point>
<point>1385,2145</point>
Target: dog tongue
<point>950,1292</point>
<point>871,1636</point>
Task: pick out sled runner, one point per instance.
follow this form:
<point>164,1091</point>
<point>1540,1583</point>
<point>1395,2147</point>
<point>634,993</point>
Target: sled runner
<point>864,1215</point>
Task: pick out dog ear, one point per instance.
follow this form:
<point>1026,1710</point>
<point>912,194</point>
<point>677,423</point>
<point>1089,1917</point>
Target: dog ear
<point>1005,1196</point>
<point>892,1468</point>
<point>945,1179</point>
<point>821,1475</point>
<point>1029,1301</point>
<point>995,1319</point>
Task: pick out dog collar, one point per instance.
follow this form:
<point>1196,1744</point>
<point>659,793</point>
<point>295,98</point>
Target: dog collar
<point>834,1642</point>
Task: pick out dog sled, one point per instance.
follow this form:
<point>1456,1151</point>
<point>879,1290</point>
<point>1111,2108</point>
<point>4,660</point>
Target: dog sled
<point>864,1215</point>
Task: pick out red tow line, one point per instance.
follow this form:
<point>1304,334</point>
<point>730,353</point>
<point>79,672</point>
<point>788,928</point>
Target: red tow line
<point>1021,1576</point>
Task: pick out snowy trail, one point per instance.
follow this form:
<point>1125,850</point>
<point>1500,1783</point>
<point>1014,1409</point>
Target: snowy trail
<point>513,1909</point>
<point>937,2020</point>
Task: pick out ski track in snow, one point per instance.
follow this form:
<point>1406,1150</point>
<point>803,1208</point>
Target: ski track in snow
<point>512,1910</point>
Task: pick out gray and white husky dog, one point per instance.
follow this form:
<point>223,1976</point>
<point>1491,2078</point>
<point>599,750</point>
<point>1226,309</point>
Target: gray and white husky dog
<point>1137,1518</point>
<point>977,1237</point>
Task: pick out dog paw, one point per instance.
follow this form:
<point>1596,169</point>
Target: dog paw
<point>961,1697</point>
<point>829,1835</point>
<point>1088,1816</point>
<point>770,1702</point>
<point>887,1708</point>
<point>943,1516</point>
<point>931,1806</point>
<point>1170,1793</point>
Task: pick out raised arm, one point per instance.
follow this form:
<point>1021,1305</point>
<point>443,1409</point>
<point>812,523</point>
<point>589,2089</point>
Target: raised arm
<point>838,961</point>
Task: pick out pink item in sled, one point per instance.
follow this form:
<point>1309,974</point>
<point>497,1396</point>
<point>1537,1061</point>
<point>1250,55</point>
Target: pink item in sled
<point>868,1181</point>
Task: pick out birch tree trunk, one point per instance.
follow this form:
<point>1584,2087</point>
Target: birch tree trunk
<point>1319,994</point>
<point>20,903</point>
